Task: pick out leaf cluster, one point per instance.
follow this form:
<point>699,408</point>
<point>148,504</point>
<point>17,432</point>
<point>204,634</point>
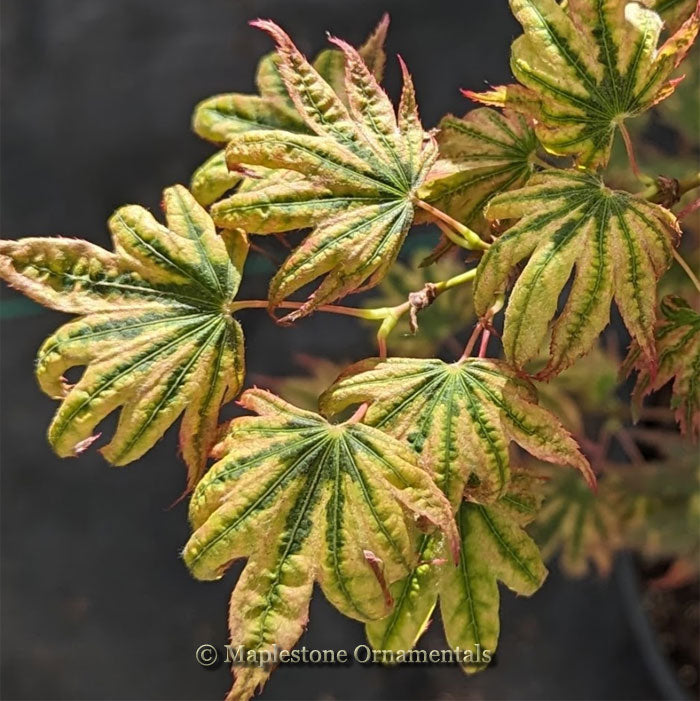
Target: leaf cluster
<point>423,494</point>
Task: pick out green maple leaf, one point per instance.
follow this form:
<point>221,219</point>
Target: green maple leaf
<point>220,118</point>
<point>335,503</point>
<point>585,67</point>
<point>154,330</point>
<point>459,417</point>
<point>361,168</point>
<point>620,245</point>
<point>493,547</point>
<point>678,346</point>
<point>482,153</point>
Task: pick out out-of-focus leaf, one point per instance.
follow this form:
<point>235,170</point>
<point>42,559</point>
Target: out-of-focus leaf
<point>678,346</point>
<point>587,387</point>
<point>580,525</point>
<point>361,168</point>
<point>459,417</point>
<point>303,390</point>
<point>585,67</point>
<point>493,548</point>
<point>662,497</point>
<point>154,332</point>
<point>619,244</point>
<point>332,501</point>
<point>481,154</point>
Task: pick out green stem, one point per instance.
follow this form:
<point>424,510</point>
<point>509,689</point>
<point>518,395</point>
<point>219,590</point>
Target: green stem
<point>466,237</point>
<point>455,281</point>
<point>389,316</point>
<point>653,192</point>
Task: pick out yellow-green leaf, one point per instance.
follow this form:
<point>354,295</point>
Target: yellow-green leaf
<point>336,504</point>
<point>481,154</point>
<point>678,347</point>
<point>154,333</point>
<point>221,117</point>
<point>586,66</point>
<point>493,547</point>
<point>618,244</point>
<point>459,417</point>
<point>361,165</point>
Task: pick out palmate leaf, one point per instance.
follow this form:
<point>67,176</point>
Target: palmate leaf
<point>580,526</point>
<point>620,245</point>
<point>220,118</point>
<point>678,346</point>
<point>335,503</point>
<point>154,332</point>
<point>459,417</point>
<point>585,67</point>
<point>482,153</point>
<point>493,548</point>
<point>361,168</point>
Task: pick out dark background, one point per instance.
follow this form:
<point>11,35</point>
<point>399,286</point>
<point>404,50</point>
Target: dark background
<point>96,604</point>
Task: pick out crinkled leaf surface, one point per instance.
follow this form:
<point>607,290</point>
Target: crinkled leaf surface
<point>493,548</point>
<point>678,347</point>
<point>306,500</point>
<point>482,153</point>
<point>585,67</point>
<point>154,333</point>
<point>618,244</point>
<point>220,118</point>
<point>459,417</point>
<point>361,168</point>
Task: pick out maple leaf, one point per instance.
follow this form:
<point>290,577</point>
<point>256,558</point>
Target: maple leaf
<point>335,503</point>
<point>220,118</point>
<point>586,67</point>
<point>619,244</point>
<point>678,346</point>
<point>154,332</point>
<point>459,417</point>
<point>481,154</point>
<point>581,526</point>
<point>361,168</point>
<point>493,547</point>
<point>672,12</point>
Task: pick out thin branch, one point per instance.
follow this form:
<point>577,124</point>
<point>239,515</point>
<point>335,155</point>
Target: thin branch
<point>371,314</point>
<point>389,316</point>
<point>688,270</point>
